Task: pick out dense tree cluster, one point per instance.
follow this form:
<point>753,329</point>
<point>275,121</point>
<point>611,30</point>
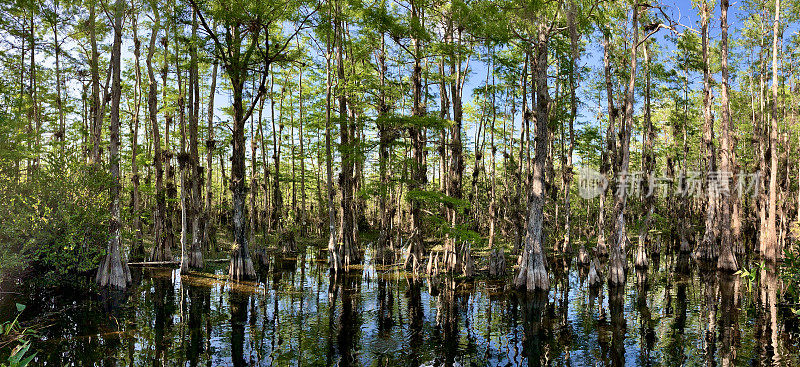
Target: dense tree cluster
<point>444,136</point>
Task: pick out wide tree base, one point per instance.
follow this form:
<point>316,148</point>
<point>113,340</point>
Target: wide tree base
<point>705,250</point>
<point>533,275</point>
<point>161,252</point>
<point>113,272</point>
<point>616,268</point>
<point>641,257</point>
<point>727,261</point>
<point>594,273</point>
<point>497,263</point>
<point>194,259</point>
<point>433,264</point>
<point>241,268</point>
<point>583,256</point>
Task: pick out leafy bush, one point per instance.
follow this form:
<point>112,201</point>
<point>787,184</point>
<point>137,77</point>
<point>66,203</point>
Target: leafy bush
<point>55,221</point>
<point>11,334</point>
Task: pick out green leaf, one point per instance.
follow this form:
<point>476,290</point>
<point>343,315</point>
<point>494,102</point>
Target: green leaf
<point>18,353</point>
<point>26,361</point>
<point>20,307</point>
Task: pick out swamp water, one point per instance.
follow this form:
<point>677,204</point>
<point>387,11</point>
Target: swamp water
<point>673,314</point>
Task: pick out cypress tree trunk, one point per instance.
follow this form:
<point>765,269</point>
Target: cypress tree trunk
<point>237,64</point>
<point>707,248</point>
<point>162,248</point>
<point>137,248</point>
<point>335,260</point>
<point>96,116</point>
<point>347,249</point>
<point>533,267</point>
<point>386,136</point>
<point>195,170</point>
<point>573,37</point>
<point>253,176</point>
<point>277,136</point>
<point>184,163</point>
<point>241,266</point>
<point>618,259</point>
<point>727,259</point>
<point>113,270</point>
<point>209,229</point>
<point>771,238</point>
<point>62,132</point>
<point>609,154</point>
<point>455,176</point>
<point>303,208</point>
<point>648,163</point>
<point>417,137</point>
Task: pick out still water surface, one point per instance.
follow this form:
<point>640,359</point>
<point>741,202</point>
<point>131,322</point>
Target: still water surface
<point>674,314</point>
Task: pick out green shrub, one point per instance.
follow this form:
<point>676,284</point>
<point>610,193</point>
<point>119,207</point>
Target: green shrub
<point>54,222</point>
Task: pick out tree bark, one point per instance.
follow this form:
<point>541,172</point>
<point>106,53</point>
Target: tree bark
<point>533,267</point>
<point>113,271</point>
<point>707,248</point>
<point>609,153</point>
<point>335,260</point>
<point>771,238</point>
<point>618,259</point>
<point>162,245</point>
<point>195,170</point>
<point>210,222</point>
<point>727,259</point>
<point>137,248</point>
<point>417,137</point>
<point>96,116</point>
<point>648,164</point>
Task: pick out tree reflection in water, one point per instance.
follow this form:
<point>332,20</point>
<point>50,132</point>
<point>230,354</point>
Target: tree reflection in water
<point>674,313</point>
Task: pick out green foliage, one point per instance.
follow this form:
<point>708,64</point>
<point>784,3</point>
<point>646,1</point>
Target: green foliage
<point>752,275</point>
<point>790,272</point>
<point>19,337</point>
<point>55,221</point>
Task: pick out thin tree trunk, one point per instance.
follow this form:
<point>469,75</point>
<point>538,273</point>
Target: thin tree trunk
<point>727,259</point>
<point>418,175</point>
<point>618,259</point>
<point>62,132</point>
<point>303,208</point>
<point>707,248</point>
<point>386,136</point>
<point>195,171</point>
<point>771,239</point>
<point>277,137</point>
<point>210,222</point>
<point>162,248</point>
<point>573,37</point>
<point>96,117</point>
<point>456,165</point>
<point>184,162</point>
<point>648,163</point>
<point>137,248</point>
<point>335,261</point>
<point>609,154</point>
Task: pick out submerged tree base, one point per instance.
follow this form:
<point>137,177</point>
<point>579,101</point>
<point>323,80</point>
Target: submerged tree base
<point>195,258</point>
<point>241,267</point>
<point>113,271</point>
<point>641,256</point>
<point>594,277</point>
<point>727,260</point>
<point>583,256</point>
<point>497,263</point>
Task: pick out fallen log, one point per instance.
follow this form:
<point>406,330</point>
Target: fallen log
<point>154,263</point>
